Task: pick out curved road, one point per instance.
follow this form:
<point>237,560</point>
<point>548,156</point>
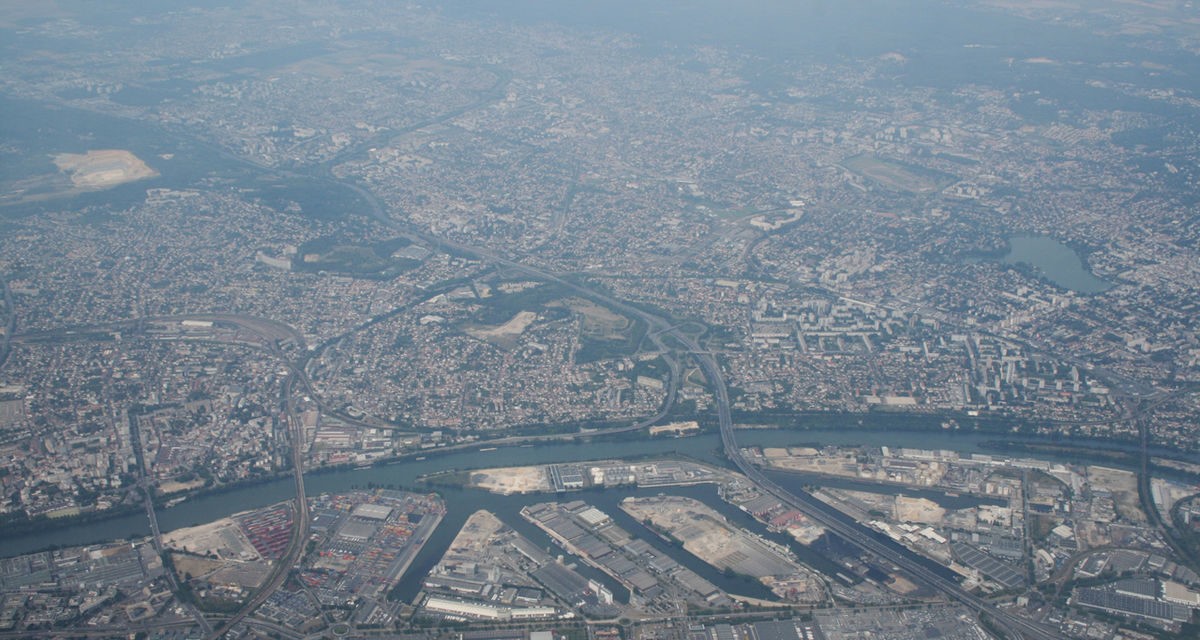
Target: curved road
<point>658,327</point>
<point>11,326</point>
<point>856,533</point>
<point>852,532</point>
<point>300,520</point>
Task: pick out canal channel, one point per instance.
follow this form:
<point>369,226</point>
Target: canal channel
<point>461,503</point>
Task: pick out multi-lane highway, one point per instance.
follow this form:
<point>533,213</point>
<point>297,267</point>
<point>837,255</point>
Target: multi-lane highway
<point>269,334</point>
<point>855,533</point>
<point>11,325</point>
<point>300,520</point>
<point>852,531</point>
<point>658,328</point>
<point>819,512</point>
<point>155,532</point>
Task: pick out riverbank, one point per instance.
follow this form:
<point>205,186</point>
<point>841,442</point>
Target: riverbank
<point>208,505</point>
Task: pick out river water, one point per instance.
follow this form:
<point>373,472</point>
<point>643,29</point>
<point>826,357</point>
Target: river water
<point>405,473</point>
<point>461,503</point>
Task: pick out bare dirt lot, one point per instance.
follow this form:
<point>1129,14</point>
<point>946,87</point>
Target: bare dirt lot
<point>223,538</point>
<point>102,169</point>
<point>512,480</point>
<point>1123,485</point>
<point>597,321</point>
<point>504,335</point>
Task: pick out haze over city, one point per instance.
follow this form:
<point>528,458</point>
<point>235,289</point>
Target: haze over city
<point>534,320</point>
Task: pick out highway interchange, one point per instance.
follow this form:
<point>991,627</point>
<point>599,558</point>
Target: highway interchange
<point>853,532</point>
<point>271,333</point>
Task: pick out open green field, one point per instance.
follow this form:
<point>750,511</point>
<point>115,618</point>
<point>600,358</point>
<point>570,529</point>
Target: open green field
<point>597,321</point>
<point>603,332</point>
<point>898,176</point>
<point>373,261</point>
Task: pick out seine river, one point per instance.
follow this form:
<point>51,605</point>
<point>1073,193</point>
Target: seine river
<point>461,503</point>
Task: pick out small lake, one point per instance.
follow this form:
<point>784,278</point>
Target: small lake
<point>1054,261</point>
